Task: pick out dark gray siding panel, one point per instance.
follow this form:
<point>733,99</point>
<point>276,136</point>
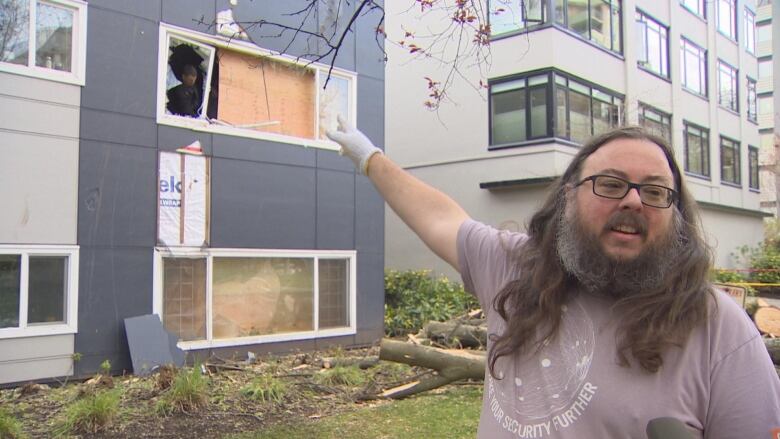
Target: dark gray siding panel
<point>192,14</point>
<point>103,126</point>
<point>369,218</point>
<point>122,63</point>
<point>335,210</point>
<point>148,9</point>
<point>260,205</point>
<point>327,159</point>
<point>172,138</point>
<point>369,53</point>
<point>370,298</point>
<point>371,109</point>
<point>115,283</point>
<point>117,195</point>
<point>267,36</point>
<point>241,148</point>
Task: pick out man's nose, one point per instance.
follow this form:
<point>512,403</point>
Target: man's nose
<point>632,200</point>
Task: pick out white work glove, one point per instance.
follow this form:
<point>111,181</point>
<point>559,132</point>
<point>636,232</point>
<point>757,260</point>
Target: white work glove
<point>354,144</point>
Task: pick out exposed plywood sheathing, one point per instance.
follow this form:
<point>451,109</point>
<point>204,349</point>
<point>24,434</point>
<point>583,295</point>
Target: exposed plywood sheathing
<point>243,83</point>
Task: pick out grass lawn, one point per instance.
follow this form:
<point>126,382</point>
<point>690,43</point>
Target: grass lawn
<point>453,413</point>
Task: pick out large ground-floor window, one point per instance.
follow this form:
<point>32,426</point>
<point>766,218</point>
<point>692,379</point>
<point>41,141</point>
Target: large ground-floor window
<point>230,297</point>
<point>38,290</point>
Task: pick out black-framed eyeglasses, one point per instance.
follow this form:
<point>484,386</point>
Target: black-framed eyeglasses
<point>652,195</point>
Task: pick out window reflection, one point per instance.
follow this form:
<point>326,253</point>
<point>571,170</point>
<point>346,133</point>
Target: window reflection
<point>54,37</point>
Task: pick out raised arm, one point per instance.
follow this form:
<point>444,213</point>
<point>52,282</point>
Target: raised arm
<point>431,214</point>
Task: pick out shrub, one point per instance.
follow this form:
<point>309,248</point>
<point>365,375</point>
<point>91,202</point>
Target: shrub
<point>90,414</point>
<point>188,392</point>
<point>341,376</point>
<point>265,388</point>
<point>9,427</point>
<point>412,298</point>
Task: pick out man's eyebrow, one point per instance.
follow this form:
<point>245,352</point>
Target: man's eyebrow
<point>648,179</point>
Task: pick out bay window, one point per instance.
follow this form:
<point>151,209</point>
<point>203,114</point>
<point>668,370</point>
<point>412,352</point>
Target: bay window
<point>546,104</point>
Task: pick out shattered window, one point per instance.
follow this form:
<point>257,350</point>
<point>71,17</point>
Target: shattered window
<point>248,90</point>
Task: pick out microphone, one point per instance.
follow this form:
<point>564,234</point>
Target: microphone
<point>667,428</point>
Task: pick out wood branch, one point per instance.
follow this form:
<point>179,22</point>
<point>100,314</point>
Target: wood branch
<point>767,320</point>
<point>453,333</point>
<point>450,364</point>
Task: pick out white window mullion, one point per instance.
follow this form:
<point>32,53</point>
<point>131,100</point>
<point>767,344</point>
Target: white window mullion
<point>31,36</point>
<point>317,88</point>
<point>209,296</point>
<point>353,292</point>
<point>23,286</point>
<point>316,294</point>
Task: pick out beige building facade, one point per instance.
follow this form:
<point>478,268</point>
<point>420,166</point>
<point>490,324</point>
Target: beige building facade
<point>563,70</point>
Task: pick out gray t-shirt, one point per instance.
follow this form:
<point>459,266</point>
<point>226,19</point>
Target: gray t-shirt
<point>722,384</point>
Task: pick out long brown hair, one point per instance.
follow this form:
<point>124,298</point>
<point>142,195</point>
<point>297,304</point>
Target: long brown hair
<point>651,321</point>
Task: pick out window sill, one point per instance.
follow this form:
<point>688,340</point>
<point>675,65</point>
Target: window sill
<point>755,190</point>
<point>43,73</point>
<point>731,184</point>
<point>568,31</point>
<point>533,142</point>
<point>520,31</point>
<point>695,93</point>
<point>703,18</point>
<point>654,73</point>
<point>699,176</point>
<point>261,339</point>
<point>37,331</point>
<point>728,37</point>
<point>729,110</point>
<point>753,121</point>
<point>205,126</point>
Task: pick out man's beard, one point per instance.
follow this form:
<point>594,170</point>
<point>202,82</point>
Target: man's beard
<point>583,257</point>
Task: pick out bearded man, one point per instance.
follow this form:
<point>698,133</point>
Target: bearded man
<point>601,317</point>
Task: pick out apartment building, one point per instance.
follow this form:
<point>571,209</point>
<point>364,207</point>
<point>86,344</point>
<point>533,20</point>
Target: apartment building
<point>561,71</point>
<point>152,162</point>
<point>767,25</point>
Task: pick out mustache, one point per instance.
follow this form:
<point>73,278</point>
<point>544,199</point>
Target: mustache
<point>627,218</point>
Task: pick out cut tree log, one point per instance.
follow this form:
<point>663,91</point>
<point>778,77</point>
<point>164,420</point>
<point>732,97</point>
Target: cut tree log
<point>450,365</point>
<point>767,320</point>
<point>773,347</point>
<point>451,333</point>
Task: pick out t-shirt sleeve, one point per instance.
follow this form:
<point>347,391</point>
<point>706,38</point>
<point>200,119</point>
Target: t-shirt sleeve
<point>486,258</point>
<point>745,389</point>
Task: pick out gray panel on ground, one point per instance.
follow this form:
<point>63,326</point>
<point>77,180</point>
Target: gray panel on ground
<point>335,210</point>
<point>149,344</point>
<point>122,63</point>
<point>117,195</point>
<point>259,205</point>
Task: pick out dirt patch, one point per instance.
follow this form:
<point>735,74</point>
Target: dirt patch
<point>230,409</point>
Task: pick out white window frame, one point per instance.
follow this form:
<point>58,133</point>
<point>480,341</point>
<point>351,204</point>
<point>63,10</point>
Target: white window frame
<point>202,124</point>
<point>688,46</point>
<point>731,6</point>
<point>70,326</point>
<point>649,28</point>
<point>79,46</point>
<point>210,254</point>
<point>750,31</point>
<point>730,102</point>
